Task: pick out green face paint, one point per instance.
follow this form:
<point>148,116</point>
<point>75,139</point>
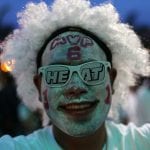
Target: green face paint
<point>76,113</point>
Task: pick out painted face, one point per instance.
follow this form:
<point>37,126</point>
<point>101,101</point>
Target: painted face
<point>76,108</point>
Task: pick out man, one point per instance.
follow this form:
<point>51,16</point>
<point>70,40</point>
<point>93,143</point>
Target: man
<point>75,58</point>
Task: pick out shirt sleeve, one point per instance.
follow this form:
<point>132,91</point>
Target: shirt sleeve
<point>7,143</point>
<point>18,143</point>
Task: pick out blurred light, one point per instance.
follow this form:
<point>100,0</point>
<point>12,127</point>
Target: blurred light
<point>7,66</point>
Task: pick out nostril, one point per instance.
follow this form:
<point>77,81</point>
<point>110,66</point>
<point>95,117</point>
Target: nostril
<point>74,92</point>
<point>83,91</point>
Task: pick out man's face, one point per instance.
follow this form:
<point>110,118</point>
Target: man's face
<point>76,108</point>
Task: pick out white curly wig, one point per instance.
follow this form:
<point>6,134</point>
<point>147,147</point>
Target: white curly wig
<point>38,21</point>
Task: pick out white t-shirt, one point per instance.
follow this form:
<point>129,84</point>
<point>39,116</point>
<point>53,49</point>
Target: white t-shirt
<point>119,137</point>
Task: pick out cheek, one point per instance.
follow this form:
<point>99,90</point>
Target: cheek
<point>103,94</point>
<point>45,99</point>
<point>51,97</point>
<point>108,97</point>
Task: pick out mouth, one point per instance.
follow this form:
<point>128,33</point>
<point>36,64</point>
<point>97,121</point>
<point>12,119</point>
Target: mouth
<point>78,110</point>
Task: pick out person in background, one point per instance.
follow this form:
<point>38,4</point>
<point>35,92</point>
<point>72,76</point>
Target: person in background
<point>139,101</point>
<point>9,121</point>
<point>15,117</point>
<point>72,62</point>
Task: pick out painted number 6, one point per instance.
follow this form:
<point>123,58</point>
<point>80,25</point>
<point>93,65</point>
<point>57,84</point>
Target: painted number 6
<point>74,53</point>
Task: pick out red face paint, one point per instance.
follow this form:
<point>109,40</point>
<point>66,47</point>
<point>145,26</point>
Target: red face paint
<point>82,41</point>
<point>108,99</point>
<point>57,41</point>
<point>74,53</point>
<point>46,105</point>
<point>73,39</point>
<point>86,42</point>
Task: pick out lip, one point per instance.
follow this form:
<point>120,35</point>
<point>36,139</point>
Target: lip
<point>78,111</point>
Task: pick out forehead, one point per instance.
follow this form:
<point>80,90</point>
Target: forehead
<point>72,46</point>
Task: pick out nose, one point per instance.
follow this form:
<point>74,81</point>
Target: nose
<point>75,87</point>
<point>74,92</point>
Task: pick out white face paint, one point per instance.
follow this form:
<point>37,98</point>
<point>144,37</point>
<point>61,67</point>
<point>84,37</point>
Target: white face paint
<point>76,122</point>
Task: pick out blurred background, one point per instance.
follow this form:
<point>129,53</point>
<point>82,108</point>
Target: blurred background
<point>16,119</point>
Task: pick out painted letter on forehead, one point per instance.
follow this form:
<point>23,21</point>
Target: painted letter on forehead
<point>57,41</point>
<point>108,99</point>
<point>71,39</point>
<point>86,41</point>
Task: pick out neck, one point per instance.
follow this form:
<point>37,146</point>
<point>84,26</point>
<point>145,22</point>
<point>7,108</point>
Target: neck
<point>90,142</point>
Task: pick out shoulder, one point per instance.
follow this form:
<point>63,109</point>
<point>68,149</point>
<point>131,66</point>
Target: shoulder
<point>35,140</point>
<point>128,135</point>
<point>6,143</point>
